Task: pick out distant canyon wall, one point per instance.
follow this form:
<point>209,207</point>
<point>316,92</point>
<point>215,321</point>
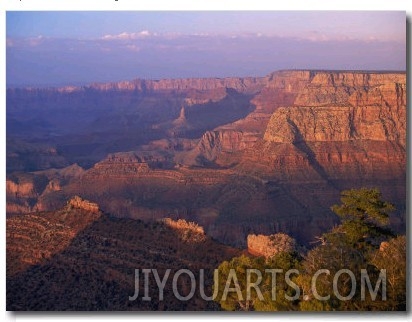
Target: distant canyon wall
<point>343,107</point>
<point>279,168</point>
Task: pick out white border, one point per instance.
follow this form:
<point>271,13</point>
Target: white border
<point>203,5</point>
<point>112,5</point>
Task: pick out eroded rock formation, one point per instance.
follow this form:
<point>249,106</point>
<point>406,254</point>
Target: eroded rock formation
<point>79,203</point>
<point>343,107</point>
<point>297,139</point>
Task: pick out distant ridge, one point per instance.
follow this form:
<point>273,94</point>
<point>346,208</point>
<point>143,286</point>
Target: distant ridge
<point>95,85</point>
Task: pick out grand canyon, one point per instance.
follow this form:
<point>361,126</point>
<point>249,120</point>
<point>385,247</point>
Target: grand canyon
<point>109,177</point>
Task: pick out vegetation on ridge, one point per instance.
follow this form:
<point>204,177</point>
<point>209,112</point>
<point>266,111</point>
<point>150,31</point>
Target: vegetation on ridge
<point>362,243</point>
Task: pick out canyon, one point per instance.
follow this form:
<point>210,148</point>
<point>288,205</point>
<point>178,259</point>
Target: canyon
<point>169,174</point>
<point>238,156</point>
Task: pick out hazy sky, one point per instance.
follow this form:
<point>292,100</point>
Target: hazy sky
<point>56,48</point>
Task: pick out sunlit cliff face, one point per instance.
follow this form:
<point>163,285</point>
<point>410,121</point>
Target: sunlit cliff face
<point>261,154</point>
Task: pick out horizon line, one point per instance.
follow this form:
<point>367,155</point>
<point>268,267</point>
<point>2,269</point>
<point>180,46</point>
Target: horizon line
<point>81,84</point>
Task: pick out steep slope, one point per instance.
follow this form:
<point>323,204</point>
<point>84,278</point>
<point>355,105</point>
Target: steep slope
<point>83,124</point>
<point>217,147</point>
<point>343,107</point>
<point>344,130</point>
<point>280,168</point>
<point>78,258</point>
<point>314,89</point>
<point>26,192</point>
<point>348,120</point>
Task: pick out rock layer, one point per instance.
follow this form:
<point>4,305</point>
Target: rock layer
<point>304,137</point>
<point>343,107</point>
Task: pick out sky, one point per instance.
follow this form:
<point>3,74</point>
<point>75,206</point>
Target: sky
<point>69,47</point>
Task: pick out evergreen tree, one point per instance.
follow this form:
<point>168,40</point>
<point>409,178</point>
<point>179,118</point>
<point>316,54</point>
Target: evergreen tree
<point>232,283</point>
<point>364,218</point>
<point>361,251</point>
<point>364,225</point>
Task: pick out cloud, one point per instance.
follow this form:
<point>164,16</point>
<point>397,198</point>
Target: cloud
<point>144,33</point>
<point>127,56</point>
<point>129,35</point>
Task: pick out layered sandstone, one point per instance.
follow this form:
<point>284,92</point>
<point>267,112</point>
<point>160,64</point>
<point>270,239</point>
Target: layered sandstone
<point>40,190</point>
<point>343,130</point>
<point>352,126</point>
<point>339,123</point>
<point>194,85</point>
<point>356,88</point>
<point>221,141</point>
<point>244,85</point>
<point>122,164</point>
<point>344,106</point>
<point>281,89</point>
<point>24,189</point>
<point>293,146</point>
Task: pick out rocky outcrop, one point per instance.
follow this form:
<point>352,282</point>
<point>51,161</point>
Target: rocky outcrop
<point>269,246</point>
<point>181,120</point>
<point>122,164</point>
<point>280,89</point>
<point>19,190</point>
<point>342,107</point>
<point>40,190</point>
<point>356,88</point>
<point>344,123</point>
<point>306,136</point>
<point>214,144</point>
<point>79,203</point>
<point>34,238</point>
<point>22,191</point>
<point>226,141</point>
<point>337,137</point>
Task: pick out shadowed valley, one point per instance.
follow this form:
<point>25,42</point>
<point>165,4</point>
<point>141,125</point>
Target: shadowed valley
<point>238,156</point>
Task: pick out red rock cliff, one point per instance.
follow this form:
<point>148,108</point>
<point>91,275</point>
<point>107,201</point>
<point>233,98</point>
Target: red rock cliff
<point>342,107</point>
